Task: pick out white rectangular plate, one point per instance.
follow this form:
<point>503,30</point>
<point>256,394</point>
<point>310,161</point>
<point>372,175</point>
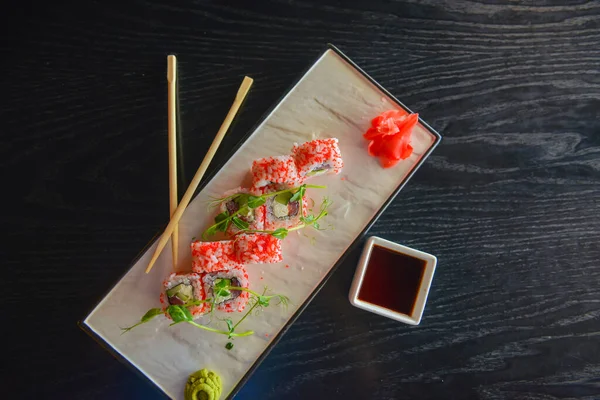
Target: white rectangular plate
<point>334,98</point>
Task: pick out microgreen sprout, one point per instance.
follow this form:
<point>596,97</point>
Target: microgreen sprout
<point>309,220</point>
<point>221,289</point>
<point>247,202</point>
<point>153,312</point>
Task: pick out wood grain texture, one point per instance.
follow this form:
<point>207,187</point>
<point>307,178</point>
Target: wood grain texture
<point>508,202</point>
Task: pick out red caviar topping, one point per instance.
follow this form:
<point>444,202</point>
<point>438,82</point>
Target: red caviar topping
<point>258,248</point>
<point>318,151</point>
<point>389,136</point>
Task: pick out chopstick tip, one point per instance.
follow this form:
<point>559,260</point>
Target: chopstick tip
<point>171,68</point>
<point>244,87</point>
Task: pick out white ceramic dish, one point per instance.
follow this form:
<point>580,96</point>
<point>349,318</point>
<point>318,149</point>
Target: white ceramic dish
<point>423,290</point>
<point>334,98</point>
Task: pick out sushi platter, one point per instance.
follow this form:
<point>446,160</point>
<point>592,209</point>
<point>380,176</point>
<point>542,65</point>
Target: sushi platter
<point>264,233</point>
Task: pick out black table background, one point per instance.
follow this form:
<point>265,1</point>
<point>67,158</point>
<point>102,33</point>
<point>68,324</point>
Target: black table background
<point>508,202</point>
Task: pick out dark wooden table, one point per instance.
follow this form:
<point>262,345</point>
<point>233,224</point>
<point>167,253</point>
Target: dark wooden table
<point>509,202</point>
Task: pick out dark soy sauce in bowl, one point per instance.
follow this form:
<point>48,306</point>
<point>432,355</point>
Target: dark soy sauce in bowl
<point>392,280</point>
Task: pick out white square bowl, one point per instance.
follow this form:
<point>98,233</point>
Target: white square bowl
<point>423,291</point>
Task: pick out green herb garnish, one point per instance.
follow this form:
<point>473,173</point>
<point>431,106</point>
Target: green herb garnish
<point>229,323</point>
<point>284,300</point>
<point>298,194</point>
<point>222,288</point>
<point>222,221</point>
<point>259,301</point>
<point>284,198</point>
<point>153,312</point>
<point>280,233</point>
<point>242,199</point>
<point>222,217</point>
<point>179,314</point>
<point>309,220</point>
<point>216,201</point>
<point>193,303</point>
<point>240,223</point>
<point>256,201</point>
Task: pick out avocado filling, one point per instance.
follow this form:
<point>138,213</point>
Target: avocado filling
<point>180,294</point>
<point>282,207</point>
<point>316,172</point>
<point>319,170</point>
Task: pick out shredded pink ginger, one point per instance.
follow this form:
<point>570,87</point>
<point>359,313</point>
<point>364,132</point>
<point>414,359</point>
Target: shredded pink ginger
<point>389,136</point>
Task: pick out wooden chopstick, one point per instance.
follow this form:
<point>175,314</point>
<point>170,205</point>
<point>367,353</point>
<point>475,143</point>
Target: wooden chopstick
<point>187,197</point>
<point>172,115</point>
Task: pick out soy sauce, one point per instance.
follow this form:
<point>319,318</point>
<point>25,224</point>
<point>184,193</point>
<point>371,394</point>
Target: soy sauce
<point>392,280</point>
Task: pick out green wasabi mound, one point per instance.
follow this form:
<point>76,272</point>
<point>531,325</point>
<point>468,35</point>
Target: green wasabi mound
<point>203,385</point>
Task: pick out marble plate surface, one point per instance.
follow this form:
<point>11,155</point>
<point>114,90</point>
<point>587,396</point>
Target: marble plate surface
<point>334,98</point>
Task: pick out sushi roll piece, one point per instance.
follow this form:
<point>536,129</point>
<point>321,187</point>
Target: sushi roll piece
<point>237,198</point>
<point>230,300</point>
<point>179,289</point>
<point>275,170</point>
<point>318,157</point>
<point>213,256</point>
<point>280,212</point>
<point>258,248</point>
